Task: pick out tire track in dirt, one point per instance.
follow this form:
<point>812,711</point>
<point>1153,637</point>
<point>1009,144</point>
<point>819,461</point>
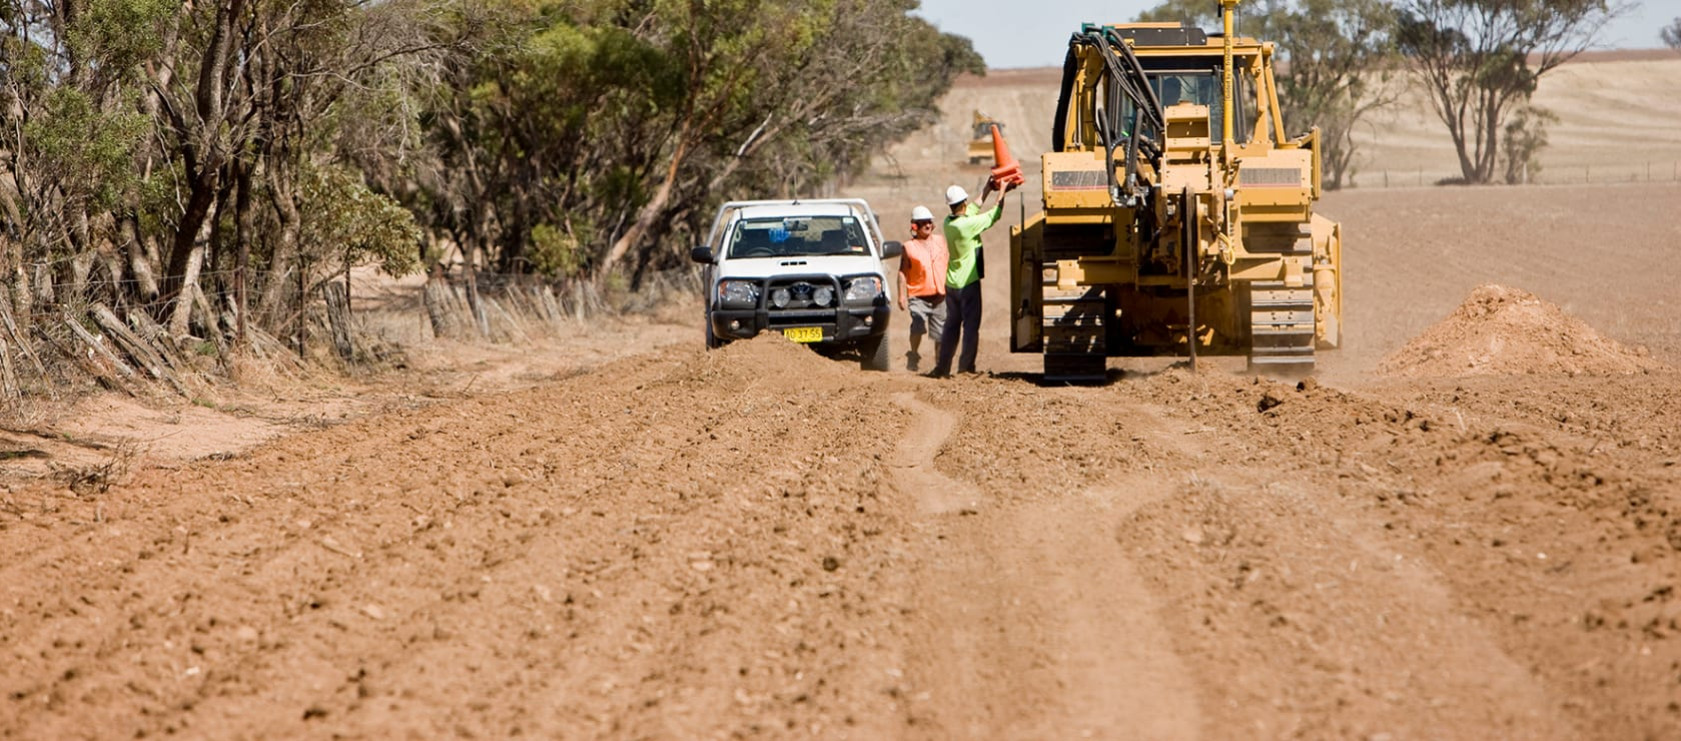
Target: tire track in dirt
<point>1365,638</point>
<point>1031,623</point>
<point>912,463</point>
<point>1302,614</point>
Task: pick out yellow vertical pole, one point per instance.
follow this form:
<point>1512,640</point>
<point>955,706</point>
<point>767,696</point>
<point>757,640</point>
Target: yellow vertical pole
<point>1226,8</point>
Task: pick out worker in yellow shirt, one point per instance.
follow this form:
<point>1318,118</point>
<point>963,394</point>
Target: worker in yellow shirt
<point>963,276</point>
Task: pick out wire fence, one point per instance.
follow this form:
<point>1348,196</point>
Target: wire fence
<point>1657,171</point>
<point>56,343</point>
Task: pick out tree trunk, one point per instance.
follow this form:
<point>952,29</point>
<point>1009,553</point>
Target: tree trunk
<point>338,319</point>
<point>286,246</point>
<point>242,263</point>
<point>22,309</point>
<point>181,313</point>
<point>650,211</point>
<point>440,306</point>
<point>189,230</point>
<point>139,260</point>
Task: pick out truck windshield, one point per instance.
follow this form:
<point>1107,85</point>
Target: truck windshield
<point>798,236</point>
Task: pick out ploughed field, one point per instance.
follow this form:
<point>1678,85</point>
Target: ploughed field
<point>757,541</point>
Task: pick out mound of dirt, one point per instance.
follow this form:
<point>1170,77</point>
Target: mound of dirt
<point>1509,331</point>
<point>745,363</point>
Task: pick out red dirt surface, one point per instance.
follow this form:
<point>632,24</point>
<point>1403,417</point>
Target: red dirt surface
<point>616,533</point>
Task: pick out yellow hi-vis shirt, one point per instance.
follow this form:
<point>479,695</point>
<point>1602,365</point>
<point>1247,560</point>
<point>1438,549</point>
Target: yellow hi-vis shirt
<point>963,238</point>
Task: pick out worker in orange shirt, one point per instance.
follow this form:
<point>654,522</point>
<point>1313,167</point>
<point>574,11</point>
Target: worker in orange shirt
<point>922,283</point>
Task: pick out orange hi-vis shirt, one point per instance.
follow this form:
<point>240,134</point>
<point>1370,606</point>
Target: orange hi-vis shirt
<point>924,266</point>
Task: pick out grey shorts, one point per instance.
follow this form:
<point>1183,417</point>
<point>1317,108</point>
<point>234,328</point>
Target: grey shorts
<point>928,316</point>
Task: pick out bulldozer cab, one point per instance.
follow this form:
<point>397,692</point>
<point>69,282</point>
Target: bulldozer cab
<point>1197,81</point>
<point>1176,75</point>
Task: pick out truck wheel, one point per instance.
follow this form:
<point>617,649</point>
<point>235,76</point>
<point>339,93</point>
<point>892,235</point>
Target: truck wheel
<point>712,342</point>
<point>875,351</point>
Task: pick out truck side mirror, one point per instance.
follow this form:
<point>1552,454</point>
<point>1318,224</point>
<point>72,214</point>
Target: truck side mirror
<point>892,249</point>
<point>702,254</point>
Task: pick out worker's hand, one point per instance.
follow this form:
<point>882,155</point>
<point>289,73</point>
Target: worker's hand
<point>1010,186</point>
<point>902,304</point>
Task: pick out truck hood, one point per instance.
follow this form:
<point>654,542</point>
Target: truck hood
<point>766,267</point>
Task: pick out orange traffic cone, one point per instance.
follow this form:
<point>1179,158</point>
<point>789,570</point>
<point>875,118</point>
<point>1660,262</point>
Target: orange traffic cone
<point>1008,170</point>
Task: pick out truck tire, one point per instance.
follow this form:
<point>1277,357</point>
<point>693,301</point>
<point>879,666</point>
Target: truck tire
<point>875,351</point>
<point>712,342</point>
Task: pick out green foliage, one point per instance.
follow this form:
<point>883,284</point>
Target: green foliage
<point>25,70</point>
<point>551,136</point>
<point>554,253</point>
<point>1526,136</point>
<point>1199,13</point>
<point>350,222</point>
<point>638,116</point>
<point>87,151</point>
<point>116,36</point>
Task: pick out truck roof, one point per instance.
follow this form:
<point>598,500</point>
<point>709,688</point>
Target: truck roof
<point>760,209</point>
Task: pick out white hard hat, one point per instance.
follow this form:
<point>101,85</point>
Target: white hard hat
<point>955,195</point>
<point>921,213</point>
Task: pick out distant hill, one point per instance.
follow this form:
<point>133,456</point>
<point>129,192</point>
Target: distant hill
<point>1619,119</point>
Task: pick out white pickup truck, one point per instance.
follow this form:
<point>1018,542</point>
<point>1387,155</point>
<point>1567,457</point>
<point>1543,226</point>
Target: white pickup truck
<point>809,269</point>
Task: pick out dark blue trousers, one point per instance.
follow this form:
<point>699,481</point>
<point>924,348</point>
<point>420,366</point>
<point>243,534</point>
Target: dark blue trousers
<point>963,319</point>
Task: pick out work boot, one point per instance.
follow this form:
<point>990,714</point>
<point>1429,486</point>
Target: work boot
<point>911,360</point>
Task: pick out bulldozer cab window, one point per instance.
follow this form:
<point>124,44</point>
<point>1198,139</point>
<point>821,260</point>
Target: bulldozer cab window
<point>1176,82</point>
<point>804,236</point>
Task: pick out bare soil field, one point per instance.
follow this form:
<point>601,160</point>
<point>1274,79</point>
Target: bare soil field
<point>1466,527</point>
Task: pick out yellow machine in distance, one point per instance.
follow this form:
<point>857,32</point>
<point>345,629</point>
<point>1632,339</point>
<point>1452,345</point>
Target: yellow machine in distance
<point>1178,216</point>
<point>980,141</point>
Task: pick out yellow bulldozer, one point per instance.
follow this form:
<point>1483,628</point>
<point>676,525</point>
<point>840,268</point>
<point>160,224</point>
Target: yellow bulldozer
<point>1178,216</point>
<point>980,140</point>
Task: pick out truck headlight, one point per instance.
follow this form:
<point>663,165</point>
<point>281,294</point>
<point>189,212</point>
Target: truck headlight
<point>863,290</point>
<point>738,294</point>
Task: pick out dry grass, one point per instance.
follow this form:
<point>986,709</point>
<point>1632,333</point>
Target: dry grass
<point>94,479</point>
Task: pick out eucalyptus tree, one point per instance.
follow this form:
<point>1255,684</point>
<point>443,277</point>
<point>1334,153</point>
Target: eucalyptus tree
<point>580,138</point>
<point>1480,61</point>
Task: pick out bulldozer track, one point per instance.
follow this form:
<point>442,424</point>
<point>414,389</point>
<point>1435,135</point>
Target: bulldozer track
<point>1281,328</point>
<point>1075,332</point>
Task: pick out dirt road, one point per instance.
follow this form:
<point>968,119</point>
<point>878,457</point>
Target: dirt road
<point>751,542</point>
<point>761,542</point>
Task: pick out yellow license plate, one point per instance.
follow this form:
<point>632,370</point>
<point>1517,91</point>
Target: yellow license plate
<point>804,334</point>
